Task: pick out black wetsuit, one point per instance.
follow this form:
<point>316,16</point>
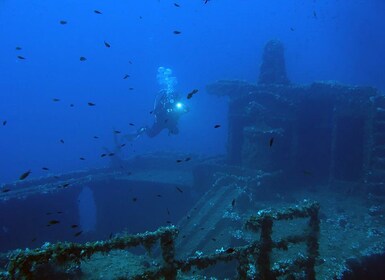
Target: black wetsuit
<point>167,116</point>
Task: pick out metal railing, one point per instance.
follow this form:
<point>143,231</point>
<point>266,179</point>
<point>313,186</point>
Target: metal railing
<point>22,262</point>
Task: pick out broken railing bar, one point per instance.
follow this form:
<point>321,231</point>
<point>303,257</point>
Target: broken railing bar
<point>202,262</point>
<point>304,211</point>
<point>292,239</point>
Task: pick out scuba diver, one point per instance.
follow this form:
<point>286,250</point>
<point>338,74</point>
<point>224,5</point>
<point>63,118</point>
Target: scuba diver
<point>167,111</point>
<point>167,108</point>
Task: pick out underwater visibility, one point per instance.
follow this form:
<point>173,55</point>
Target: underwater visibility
<point>192,139</point>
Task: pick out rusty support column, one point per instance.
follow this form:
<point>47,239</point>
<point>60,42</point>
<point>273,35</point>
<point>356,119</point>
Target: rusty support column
<point>312,242</point>
<point>167,244</point>
<point>266,243</point>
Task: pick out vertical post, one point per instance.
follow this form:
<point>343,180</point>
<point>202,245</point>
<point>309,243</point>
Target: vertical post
<point>243,266</point>
<point>167,245</point>
<point>263,261</point>
<point>312,242</point>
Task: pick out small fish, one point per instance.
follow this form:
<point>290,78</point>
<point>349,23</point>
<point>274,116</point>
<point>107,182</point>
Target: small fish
<point>176,32</point>
<point>59,212</point>
<point>24,175</point>
<point>55,99</point>
<point>169,222</point>
<point>131,124</point>
<point>217,126</point>
<point>194,91</point>
<point>53,222</point>
<point>122,145</point>
<point>134,199</point>
<point>63,22</point>
<point>91,104</point>
<point>151,112</point>
<point>314,14</point>
<point>45,168</point>
<point>72,105</point>
<point>202,228</point>
<point>33,239</point>
<point>130,62</point>
<point>230,250</point>
<point>103,155</point>
<point>179,189</point>
<point>176,5</point>
<point>65,185</point>
<point>126,76</point>
<point>4,123</point>
<point>82,58</point>
<point>62,141</point>
<point>291,28</point>
<point>5,190</point>
<point>111,154</point>
<point>96,137</point>
<point>233,203</point>
<point>18,48</point>
<point>82,158</point>
<point>97,12</point>
<point>159,195</point>
<point>78,233</point>
<point>131,88</point>
<point>20,57</point>
<point>178,160</point>
<point>107,44</point>
<point>213,239</point>
<point>117,131</point>
<point>206,1</point>
<point>48,213</point>
<point>74,226</point>
<point>187,159</point>
<point>168,211</point>
<point>271,141</point>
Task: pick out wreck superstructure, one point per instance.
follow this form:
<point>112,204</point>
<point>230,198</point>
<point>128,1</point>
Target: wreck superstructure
<point>287,144</point>
<point>327,131</point>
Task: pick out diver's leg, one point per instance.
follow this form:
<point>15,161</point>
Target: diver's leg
<point>135,135</point>
<point>155,129</point>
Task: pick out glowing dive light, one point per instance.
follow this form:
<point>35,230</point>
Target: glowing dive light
<point>179,105</point>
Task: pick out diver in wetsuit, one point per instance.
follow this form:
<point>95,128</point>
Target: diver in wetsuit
<point>167,108</point>
<point>167,111</point>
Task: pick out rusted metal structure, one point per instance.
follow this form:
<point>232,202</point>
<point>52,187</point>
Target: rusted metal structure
<point>333,132</point>
<point>256,254</point>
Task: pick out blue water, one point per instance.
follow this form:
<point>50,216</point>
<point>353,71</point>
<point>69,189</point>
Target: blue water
<point>87,210</point>
<point>222,39</point>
